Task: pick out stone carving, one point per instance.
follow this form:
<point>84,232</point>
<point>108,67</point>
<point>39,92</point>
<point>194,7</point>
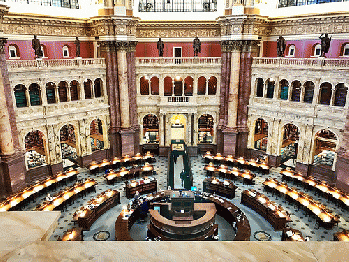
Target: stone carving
<point>197,46</point>
<point>2,45</point>
<point>160,47</point>
<point>37,47</point>
<point>77,44</point>
<point>325,44</point>
<point>281,46</point>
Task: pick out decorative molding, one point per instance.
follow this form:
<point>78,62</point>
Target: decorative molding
<point>3,41</point>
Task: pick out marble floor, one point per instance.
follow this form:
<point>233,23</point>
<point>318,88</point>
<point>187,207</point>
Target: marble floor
<point>300,220</point>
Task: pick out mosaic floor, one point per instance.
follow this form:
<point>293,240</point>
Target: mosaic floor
<point>106,222</point>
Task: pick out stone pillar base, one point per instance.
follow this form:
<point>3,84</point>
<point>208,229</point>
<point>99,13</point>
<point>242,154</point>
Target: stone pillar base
<point>115,149</point>
<point>56,168</point>
<point>342,173</point>
<point>229,143</point>
<point>241,147</point>
<point>304,169</point>
<point>274,161</point>
<point>163,151</point>
<point>12,170</point>
<point>127,142</point>
<point>137,146</point>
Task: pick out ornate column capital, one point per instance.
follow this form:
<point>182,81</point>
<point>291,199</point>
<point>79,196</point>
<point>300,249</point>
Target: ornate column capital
<point>132,46</point>
<point>249,45</point>
<point>231,45</point>
<point>3,41</point>
<point>122,46</point>
<point>107,46</point>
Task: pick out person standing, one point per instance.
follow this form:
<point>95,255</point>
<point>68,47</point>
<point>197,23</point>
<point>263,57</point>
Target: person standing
<point>160,46</point>
<point>197,46</point>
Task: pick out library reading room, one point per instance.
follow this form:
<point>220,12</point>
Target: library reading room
<point>174,130</point>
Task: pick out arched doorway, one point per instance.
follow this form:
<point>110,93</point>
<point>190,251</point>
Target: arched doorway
<point>325,148</point>
<point>178,86</point>
<point>96,135</point>
<point>68,145</point>
<point>289,145</point>
<point>205,129</point>
<point>261,135</point>
<point>35,155</point>
<point>150,129</point>
<point>178,126</point>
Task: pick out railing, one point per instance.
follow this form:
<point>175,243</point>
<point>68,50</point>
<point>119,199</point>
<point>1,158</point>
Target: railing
<point>72,4</point>
<point>178,99</point>
<point>23,64</point>
<point>177,6</point>
<point>301,62</point>
<point>178,60</point>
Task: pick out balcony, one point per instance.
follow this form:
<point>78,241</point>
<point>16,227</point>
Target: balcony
<point>23,65</point>
<point>301,63</point>
<point>177,61</point>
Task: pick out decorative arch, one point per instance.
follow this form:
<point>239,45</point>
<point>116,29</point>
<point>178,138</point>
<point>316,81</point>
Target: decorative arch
<point>201,85</point>
<point>35,155</point>
<point>270,87</point>
<point>168,85</point>
<point>21,98</point>
<point>309,87</point>
<point>144,86</point>
<point>326,143</point>
<point>289,144</point>
<point>63,91</point>
<point>284,86</point>
<point>178,86</point>
<point>296,91</point>
<point>98,87</point>
<point>340,95</point>
<point>88,88</point>
<point>188,86</point>
<point>74,90</point>
<point>154,85</point>
<point>259,87</point>
<point>51,93</point>
<point>212,85</point>
<point>325,93</point>
<point>68,141</point>
<point>205,129</point>
<point>261,134</point>
<point>96,135</point>
<point>150,129</point>
<point>35,94</point>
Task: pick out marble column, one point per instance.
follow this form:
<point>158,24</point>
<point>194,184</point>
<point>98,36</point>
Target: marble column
<point>12,166</point>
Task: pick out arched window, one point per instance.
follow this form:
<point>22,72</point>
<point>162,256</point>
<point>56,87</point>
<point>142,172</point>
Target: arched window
<point>317,50</point>
<point>259,86</point>
<point>325,148</point>
<point>283,89</point>
<point>201,85</point>
<point>96,135</point>
<point>21,98</point>
<point>144,86</point>
<point>340,95</point>
<point>154,85</point>
<point>74,90</point>
<point>325,93</point>
<point>13,52</point>
<point>212,85</point>
<point>65,51</point>
<point>205,129</point>
<point>34,93</point>
<point>98,88</point>
<point>345,50</point>
<point>308,92</point>
<point>51,93</point>
<point>188,86</point>
<point>296,91</point>
<point>270,88</point>
<point>261,135</point>
<point>289,146</point>
<point>178,86</point>
<point>62,91</point>
<point>35,150</point>
<point>291,51</point>
<point>168,86</point>
<point>88,89</point>
<point>150,129</point>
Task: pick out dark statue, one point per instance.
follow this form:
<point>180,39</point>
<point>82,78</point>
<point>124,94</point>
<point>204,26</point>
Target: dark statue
<point>77,44</point>
<point>197,46</point>
<point>281,46</point>
<point>160,47</point>
<point>325,44</point>
<point>37,47</point>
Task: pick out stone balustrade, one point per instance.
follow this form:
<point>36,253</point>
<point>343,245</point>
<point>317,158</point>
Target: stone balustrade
<point>178,61</point>
<point>19,65</point>
<point>319,62</point>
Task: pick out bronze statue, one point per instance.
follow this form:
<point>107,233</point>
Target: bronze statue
<point>77,44</point>
<point>325,44</point>
<point>160,47</point>
<point>281,46</point>
<point>197,46</point>
<point>37,47</point>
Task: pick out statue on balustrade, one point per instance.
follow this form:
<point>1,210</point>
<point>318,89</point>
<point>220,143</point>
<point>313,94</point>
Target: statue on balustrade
<point>37,47</point>
<point>325,44</point>
<point>77,44</point>
<point>197,46</point>
<point>281,46</point>
<point>160,47</point>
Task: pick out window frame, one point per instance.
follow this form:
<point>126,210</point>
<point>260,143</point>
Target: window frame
<point>13,47</point>
<point>291,48</point>
<point>65,48</point>
<point>316,48</point>
<point>345,47</point>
